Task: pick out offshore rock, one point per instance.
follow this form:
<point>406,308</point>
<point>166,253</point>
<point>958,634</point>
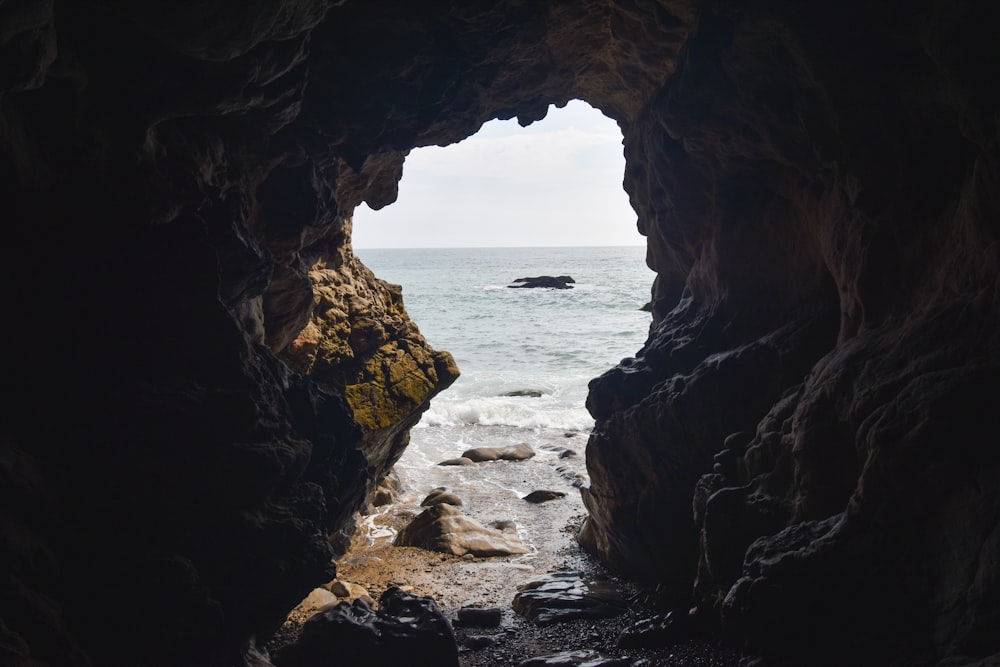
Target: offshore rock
<point>552,282</point>
<point>444,528</point>
<point>406,630</point>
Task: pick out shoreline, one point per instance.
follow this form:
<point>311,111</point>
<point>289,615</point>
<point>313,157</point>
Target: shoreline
<point>549,529</point>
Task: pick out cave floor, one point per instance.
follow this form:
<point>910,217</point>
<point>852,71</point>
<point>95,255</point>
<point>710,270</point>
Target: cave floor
<point>454,582</point>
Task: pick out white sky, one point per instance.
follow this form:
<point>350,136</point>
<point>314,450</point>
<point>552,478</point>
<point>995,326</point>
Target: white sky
<point>557,182</point>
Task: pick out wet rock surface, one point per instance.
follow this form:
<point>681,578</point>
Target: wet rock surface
<point>443,527</point>
<point>565,596</point>
<point>518,452</point>
<point>405,630</point>
<point>544,495</point>
<point>441,495</point>
<point>579,658</point>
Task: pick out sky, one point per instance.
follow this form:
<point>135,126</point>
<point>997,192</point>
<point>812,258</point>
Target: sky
<point>557,182</point>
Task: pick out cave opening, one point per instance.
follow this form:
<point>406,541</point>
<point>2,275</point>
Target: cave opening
<point>471,219</point>
<point>802,454</point>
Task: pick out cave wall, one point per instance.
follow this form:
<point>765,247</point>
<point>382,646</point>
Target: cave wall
<point>204,383</point>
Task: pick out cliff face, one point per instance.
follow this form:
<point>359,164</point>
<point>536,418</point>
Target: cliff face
<point>204,383</point>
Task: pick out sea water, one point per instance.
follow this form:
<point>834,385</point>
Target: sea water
<point>526,356</point>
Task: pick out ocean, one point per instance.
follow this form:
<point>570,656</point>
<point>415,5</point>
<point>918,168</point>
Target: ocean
<point>525,356</point>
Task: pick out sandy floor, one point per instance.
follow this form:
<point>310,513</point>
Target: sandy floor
<point>548,529</point>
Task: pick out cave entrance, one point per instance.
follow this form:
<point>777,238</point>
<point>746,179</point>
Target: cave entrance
<point>471,219</point>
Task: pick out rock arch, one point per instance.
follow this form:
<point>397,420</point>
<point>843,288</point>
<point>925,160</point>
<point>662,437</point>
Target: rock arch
<point>818,187</point>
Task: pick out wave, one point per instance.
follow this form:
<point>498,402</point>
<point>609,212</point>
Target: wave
<point>520,412</point>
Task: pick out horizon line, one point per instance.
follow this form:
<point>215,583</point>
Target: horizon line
<point>504,247</point>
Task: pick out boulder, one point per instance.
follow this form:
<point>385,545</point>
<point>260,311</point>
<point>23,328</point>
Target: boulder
<point>566,596</point>
<point>459,461</point>
<point>445,529</point>
<point>518,452</point>
<point>406,630</point>
<point>441,495</point>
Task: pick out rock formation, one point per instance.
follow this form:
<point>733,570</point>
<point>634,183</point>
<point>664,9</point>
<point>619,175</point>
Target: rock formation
<point>205,385</point>
<point>552,282</point>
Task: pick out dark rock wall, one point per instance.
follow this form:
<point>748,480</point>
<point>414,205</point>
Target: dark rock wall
<point>819,189</point>
<point>803,448</point>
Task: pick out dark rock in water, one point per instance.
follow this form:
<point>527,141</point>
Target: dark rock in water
<point>579,658</point>
<point>441,495</point>
<point>543,495</point>
<point>553,282</point>
<point>531,393</point>
<point>572,476</point>
<point>567,453</point>
<point>407,629</point>
<point>518,452</point>
<point>658,631</point>
<point>460,461</point>
<point>646,307</point>
<point>566,596</point>
<point>480,617</point>
<point>445,529</point>
<point>503,524</point>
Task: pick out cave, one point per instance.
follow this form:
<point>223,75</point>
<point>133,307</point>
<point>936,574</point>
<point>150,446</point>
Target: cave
<point>198,397</point>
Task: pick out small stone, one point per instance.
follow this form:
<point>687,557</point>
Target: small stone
<point>317,600</point>
<point>657,632</point>
<point>339,588</point>
<point>543,495</point>
<point>477,642</point>
<point>566,454</point>
<point>579,658</point>
<point>482,617</point>
<point>460,461</point>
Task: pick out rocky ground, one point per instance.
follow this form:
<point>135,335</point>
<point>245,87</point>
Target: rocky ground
<point>454,582</point>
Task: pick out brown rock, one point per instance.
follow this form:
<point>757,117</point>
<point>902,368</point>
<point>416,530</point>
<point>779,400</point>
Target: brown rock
<point>444,528</point>
<point>460,461</point>
<point>441,495</point>
<point>544,495</point>
<point>519,452</point>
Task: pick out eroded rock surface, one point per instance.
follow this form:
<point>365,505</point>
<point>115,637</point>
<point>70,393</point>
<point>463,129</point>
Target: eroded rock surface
<point>565,596</point>
<point>443,527</point>
<point>406,629</point>
<point>205,385</point>
<point>518,452</point>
